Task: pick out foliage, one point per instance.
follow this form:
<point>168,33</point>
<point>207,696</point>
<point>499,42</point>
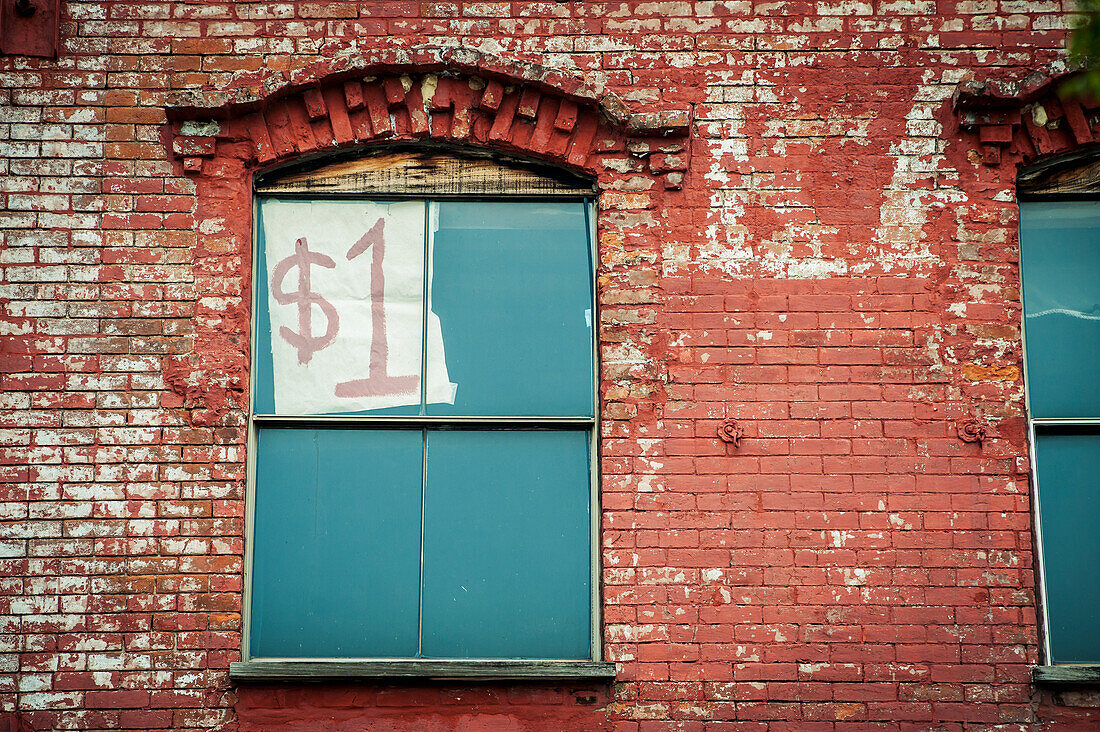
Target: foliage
<point>1084,50</point>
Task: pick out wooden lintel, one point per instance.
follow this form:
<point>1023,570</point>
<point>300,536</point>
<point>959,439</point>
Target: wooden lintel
<point>1074,174</point>
<point>427,171</point>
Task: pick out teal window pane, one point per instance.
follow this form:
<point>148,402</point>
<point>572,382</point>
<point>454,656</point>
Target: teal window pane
<point>336,547</point>
<point>1060,253</point>
<point>512,287</point>
<point>506,544</point>
<point>263,389</point>
<point>1069,510</point>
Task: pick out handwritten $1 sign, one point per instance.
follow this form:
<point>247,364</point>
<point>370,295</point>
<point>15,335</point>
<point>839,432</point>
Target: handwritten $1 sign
<point>348,337</point>
<point>305,298</point>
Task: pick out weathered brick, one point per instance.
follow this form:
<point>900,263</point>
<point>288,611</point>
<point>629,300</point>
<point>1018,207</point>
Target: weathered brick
<point>793,234</point>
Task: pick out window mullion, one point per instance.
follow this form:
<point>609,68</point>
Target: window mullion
<point>412,420</point>
<point>425,294</point>
<point>424,307</point>
<point>423,497</point>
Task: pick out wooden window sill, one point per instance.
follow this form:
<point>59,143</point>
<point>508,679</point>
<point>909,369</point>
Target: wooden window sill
<point>1079,674</point>
<point>309,670</point>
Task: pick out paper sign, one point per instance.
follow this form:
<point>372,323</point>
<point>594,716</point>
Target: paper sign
<point>345,300</point>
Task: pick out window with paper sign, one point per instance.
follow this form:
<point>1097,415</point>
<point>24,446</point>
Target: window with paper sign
<point>423,427</point>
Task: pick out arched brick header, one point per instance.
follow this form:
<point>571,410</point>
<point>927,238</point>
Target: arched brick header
<point>220,139</point>
<point>1029,118</point>
<point>438,94</point>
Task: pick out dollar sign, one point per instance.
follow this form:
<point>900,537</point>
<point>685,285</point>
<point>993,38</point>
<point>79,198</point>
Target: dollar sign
<point>304,340</point>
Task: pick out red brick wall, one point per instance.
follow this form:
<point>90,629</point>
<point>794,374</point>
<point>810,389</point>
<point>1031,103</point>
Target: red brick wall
<point>837,274</point>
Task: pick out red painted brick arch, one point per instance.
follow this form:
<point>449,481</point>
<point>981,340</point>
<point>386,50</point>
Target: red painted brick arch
<point>441,95</point>
<point>220,139</point>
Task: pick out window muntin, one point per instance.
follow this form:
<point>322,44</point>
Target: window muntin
<point>475,519</point>
<point>1060,262</point>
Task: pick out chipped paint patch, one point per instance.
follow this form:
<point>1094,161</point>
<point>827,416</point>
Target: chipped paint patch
<point>976,372</point>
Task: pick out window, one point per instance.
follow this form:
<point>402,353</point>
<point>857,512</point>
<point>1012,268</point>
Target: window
<point>423,421</point>
<point>1060,266</point>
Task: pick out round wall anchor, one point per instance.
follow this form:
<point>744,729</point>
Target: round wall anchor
<point>974,430</point>
<point>730,432</point>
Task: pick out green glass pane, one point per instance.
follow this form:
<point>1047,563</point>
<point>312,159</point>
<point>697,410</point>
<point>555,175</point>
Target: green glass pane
<point>1060,253</point>
<point>263,391</point>
<point>336,548</point>
<point>507,553</point>
<point>512,288</point>
<point>1069,510</point>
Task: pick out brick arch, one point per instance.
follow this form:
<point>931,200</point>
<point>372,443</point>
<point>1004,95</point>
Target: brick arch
<point>1025,120</point>
<point>467,100</point>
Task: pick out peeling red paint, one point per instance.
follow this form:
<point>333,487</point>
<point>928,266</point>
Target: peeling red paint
<point>807,226</point>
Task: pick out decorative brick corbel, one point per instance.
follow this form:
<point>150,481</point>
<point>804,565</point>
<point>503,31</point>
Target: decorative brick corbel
<point>1028,118</point>
<point>460,97</point>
